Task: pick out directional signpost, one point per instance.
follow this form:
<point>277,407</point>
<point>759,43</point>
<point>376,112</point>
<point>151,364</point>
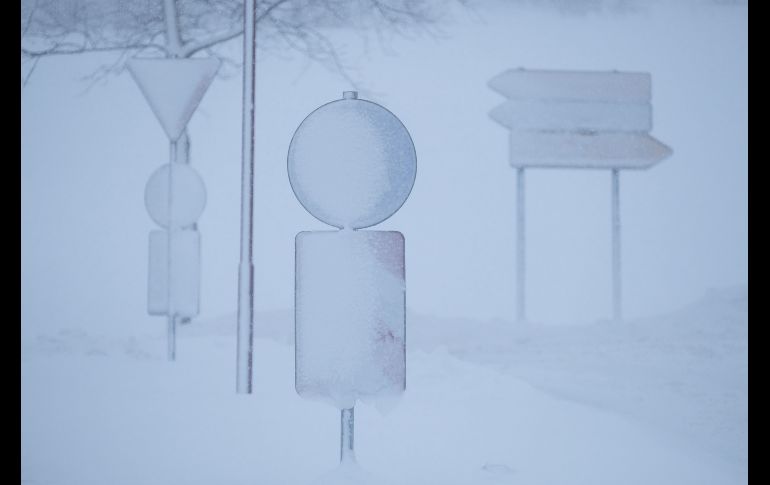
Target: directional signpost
<point>175,195</point>
<point>576,119</point>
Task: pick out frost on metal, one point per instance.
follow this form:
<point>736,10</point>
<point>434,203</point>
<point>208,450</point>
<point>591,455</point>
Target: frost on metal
<point>578,119</point>
<point>351,164</point>
<point>350,319</point>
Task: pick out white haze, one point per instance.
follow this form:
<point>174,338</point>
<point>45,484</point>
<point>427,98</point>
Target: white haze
<point>86,159</point>
<point>661,398</point>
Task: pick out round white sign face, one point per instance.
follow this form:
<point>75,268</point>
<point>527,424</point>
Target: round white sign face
<point>352,163</point>
<point>185,197</point>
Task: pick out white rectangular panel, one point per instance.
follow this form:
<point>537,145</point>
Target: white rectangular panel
<point>185,272</point>
<point>573,116</point>
<point>350,315</point>
<point>568,150</point>
<point>609,86</point>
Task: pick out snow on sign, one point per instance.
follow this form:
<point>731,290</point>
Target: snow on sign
<point>175,195</point>
<point>184,187</point>
<point>181,290</point>
<point>575,150</point>
<point>351,164</point>
<point>576,119</point>
<point>173,88</point>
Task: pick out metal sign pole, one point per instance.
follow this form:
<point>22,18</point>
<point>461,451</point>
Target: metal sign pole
<point>346,435</point>
<point>246,267</point>
<point>616,283</point>
<point>169,253</point>
<point>520,249</point>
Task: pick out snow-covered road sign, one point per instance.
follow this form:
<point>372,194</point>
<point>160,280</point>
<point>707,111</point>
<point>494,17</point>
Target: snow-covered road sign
<point>173,88</point>
<point>351,164</point>
<point>574,150</point>
<point>175,194</point>
<point>601,86</point>
<point>350,320</point>
<point>576,119</point>
<point>184,186</point>
<point>181,281</point>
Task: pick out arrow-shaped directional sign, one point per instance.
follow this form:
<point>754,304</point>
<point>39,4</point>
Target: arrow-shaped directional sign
<point>173,88</point>
<point>604,86</point>
<point>578,119</point>
<point>585,150</point>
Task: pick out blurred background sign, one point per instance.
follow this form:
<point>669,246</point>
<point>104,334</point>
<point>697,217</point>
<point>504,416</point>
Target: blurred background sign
<point>576,119</point>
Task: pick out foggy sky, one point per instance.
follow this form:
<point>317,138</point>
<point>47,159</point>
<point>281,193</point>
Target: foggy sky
<point>86,158</point>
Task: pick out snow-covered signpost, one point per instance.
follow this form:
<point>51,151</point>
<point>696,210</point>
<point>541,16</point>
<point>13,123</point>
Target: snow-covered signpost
<point>175,195</point>
<point>577,119</point>
<point>351,164</point>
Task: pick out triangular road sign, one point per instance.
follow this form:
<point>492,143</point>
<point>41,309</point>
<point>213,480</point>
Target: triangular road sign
<point>173,88</point>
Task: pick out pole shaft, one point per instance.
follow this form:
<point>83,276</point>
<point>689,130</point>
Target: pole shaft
<point>520,247</point>
<point>246,268</point>
<point>171,311</point>
<point>617,311</point>
<point>171,350</point>
<point>346,435</point>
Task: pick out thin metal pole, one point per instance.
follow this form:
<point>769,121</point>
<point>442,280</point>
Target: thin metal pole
<point>347,452</point>
<point>246,267</point>
<point>171,311</point>
<point>617,312</point>
<point>171,337</point>
<point>520,247</point>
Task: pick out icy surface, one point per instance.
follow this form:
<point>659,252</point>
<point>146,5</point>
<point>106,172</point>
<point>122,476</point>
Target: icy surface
<point>173,88</point>
<point>350,320</point>
<point>352,163</point>
<point>188,195</point>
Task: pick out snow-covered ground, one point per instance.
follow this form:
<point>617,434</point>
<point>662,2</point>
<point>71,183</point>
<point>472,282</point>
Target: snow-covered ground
<point>656,401</point>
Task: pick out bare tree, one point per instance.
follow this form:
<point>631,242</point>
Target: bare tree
<point>186,28</point>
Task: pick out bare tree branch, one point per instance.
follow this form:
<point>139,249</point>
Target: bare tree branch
<point>185,28</point>
<point>70,48</point>
<point>192,48</point>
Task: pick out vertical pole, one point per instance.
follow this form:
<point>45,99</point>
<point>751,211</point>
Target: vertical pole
<point>171,311</point>
<point>171,337</point>
<point>246,267</point>
<point>616,283</point>
<point>183,157</point>
<point>346,436</point>
<point>520,249</point>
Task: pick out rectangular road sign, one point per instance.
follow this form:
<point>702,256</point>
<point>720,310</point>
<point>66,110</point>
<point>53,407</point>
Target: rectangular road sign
<point>185,273</point>
<point>173,88</point>
<point>573,116</point>
<point>604,86</point>
<point>350,320</point>
<point>574,150</point>
<point>578,119</point>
